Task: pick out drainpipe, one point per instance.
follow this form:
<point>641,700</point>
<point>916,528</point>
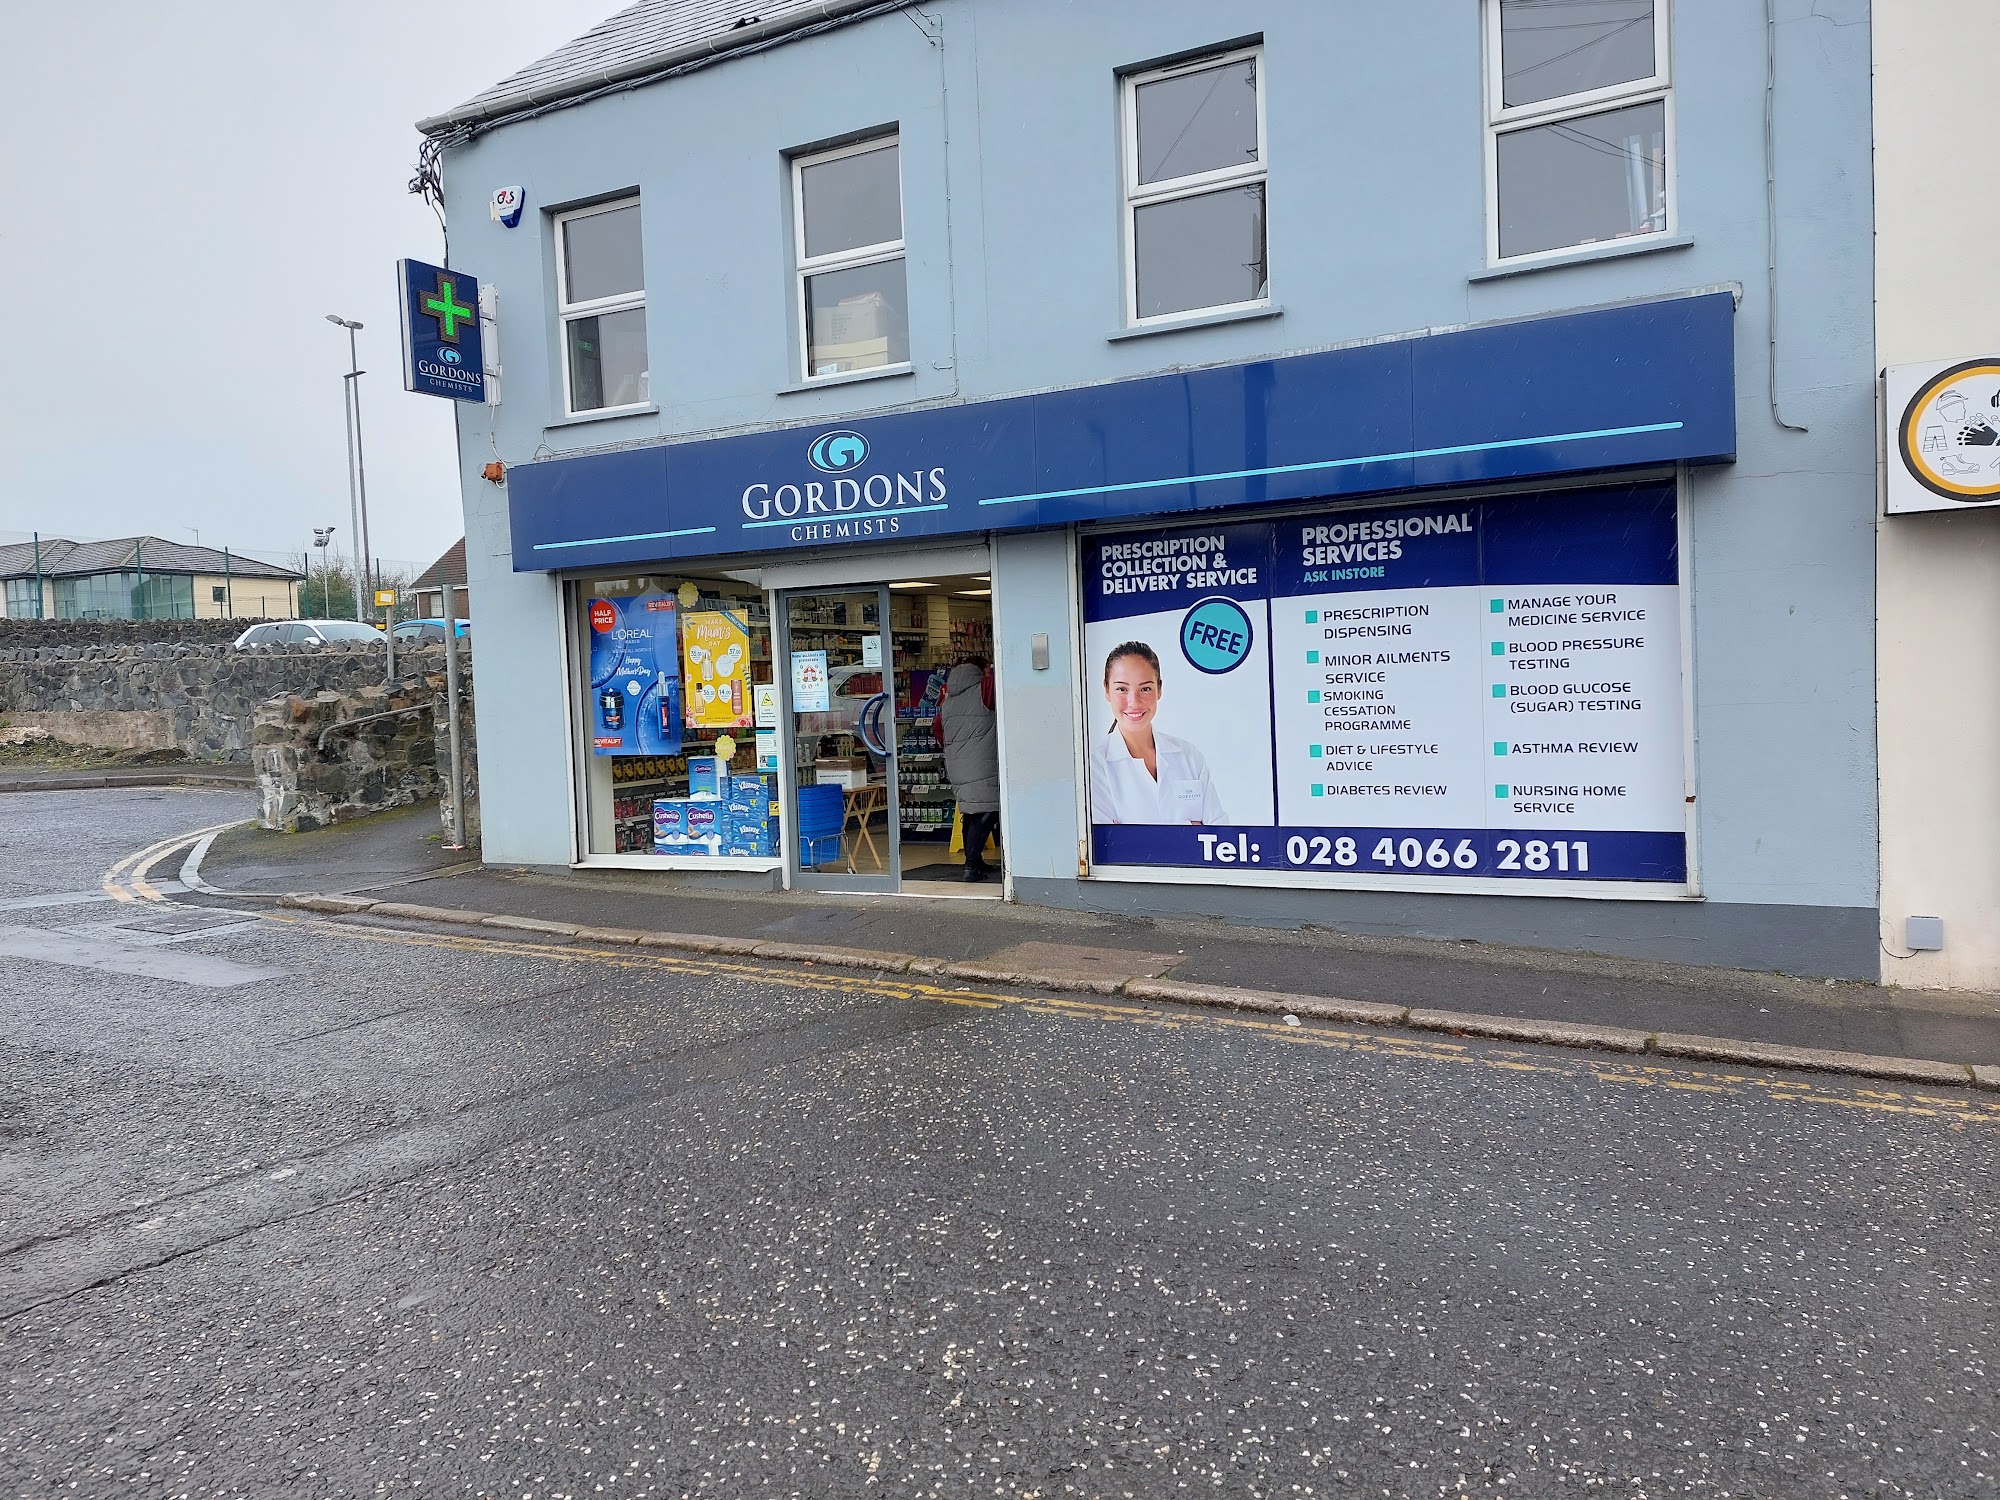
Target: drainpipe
<point>139,560</point>
<point>1771,211</point>
<point>228,587</point>
<point>38,575</point>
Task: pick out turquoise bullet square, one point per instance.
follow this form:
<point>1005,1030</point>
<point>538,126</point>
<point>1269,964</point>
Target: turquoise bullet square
<point>1314,751</point>
<point>1499,791</point>
<point>1499,690</point>
<point>1312,617</point>
<point>1496,605</point>
<point>1318,790</point>
<point>1312,697</point>
<point>1499,747</point>
<point>1499,648</point>
<point>1312,658</point>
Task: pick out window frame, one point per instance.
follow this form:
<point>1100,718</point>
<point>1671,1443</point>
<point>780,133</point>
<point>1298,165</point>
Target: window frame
<point>1138,195</point>
<point>1502,119</point>
<point>568,312</point>
<point>805,267</point>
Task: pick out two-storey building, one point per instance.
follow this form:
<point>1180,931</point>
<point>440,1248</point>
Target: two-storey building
<point>1411,466</point>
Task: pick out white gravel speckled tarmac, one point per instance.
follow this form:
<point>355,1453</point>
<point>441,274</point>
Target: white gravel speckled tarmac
<point>436,1214</point>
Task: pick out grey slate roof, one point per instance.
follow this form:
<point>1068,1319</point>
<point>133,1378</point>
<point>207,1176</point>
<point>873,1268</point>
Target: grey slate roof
<point>17,560</point>
<point>66,559</point>
<point>449,568</point>
<point>641,38</point>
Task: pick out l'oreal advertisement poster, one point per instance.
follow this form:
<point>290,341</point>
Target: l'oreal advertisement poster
<point>635,676</point>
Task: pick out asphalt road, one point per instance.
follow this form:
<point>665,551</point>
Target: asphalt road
<point>295,1207</point>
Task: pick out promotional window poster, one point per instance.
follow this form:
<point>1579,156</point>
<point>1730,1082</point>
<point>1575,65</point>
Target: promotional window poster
<point>1178,698</point>
<point>1484,688</point>
<point>716,649</point>
<point>635,675</point>
<point>812,691</point>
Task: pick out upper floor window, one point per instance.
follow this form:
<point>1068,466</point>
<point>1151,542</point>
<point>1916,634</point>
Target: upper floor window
<point>1195,174</point>
<point>1579,116</point>
<point>847,217</point>
<point>601,305</point>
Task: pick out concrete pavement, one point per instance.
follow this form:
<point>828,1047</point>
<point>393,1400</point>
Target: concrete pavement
<point>17,778</point>
<point>1472,989</point>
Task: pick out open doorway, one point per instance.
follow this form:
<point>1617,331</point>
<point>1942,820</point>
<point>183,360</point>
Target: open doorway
<point>873,739</point>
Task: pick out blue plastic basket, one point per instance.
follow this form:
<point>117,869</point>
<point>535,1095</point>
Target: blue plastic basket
<point>822,818</point>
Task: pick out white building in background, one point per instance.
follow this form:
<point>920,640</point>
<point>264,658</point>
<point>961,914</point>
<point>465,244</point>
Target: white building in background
<point>1937,306</point>
<point>141,578</point>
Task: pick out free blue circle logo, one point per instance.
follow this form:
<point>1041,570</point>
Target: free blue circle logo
<point>450,356</point>
<point>837,452</point>
<point>1216,635</point>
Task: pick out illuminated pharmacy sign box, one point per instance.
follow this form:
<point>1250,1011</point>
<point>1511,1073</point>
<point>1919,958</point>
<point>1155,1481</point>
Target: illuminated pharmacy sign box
<point>1647,383</point>
<point>1943,439</point>
<point>442,351</point>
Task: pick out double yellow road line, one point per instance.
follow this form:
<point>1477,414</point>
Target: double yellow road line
<point>1955,1110</point>
<point>126,880</point>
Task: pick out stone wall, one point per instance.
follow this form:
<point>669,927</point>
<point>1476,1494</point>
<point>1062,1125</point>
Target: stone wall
<point>199,699</point>
<point>138,729</point>
<point>327,757</point>
<point>330,756</point>
<point>19,635</point>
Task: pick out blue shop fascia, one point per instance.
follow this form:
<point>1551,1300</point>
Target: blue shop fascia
<point>1414,616</point>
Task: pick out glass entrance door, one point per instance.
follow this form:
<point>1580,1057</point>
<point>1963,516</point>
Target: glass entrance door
<point>838,672</point>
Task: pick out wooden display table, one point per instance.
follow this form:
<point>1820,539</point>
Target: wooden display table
<point>863,802</point>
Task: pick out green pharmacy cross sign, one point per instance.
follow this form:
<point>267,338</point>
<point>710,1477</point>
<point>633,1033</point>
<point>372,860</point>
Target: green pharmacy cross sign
<point>443,348</point>
<point>446,308</point>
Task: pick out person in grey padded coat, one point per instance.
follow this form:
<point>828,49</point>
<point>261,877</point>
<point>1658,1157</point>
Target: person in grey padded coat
<point>970,731</point>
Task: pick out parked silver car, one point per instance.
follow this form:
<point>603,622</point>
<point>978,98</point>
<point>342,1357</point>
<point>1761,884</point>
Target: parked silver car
<point>308,633</point>
<point>421,632</point>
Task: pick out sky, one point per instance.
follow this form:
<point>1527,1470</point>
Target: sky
<point>189,189</point>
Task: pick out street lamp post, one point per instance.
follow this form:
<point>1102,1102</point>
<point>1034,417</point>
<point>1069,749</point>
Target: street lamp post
<point>357,466</point>
<point>322,535</point>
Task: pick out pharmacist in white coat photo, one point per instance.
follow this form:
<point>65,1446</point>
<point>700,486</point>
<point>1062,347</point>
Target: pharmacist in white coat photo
<point>1137,774</point>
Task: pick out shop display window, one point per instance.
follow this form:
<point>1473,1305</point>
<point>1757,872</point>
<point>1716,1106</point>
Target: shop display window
<point>674,764</point>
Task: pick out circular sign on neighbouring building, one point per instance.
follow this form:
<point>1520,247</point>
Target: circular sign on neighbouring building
<point>1948,437</point>
<point>1216,635</point>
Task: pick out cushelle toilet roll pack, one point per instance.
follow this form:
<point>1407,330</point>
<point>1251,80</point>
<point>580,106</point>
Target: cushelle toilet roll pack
<point>722,815</point>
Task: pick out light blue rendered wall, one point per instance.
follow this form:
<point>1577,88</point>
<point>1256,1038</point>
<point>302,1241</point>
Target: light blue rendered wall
<point>1376,226</point>
<point>1032,590</point>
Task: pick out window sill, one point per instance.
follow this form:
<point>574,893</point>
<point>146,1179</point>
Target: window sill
<point>638,860</point>
<point>1584,256</point>
<point>852,377</point>
<point>609,414</point>
<point>1197,320</point>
